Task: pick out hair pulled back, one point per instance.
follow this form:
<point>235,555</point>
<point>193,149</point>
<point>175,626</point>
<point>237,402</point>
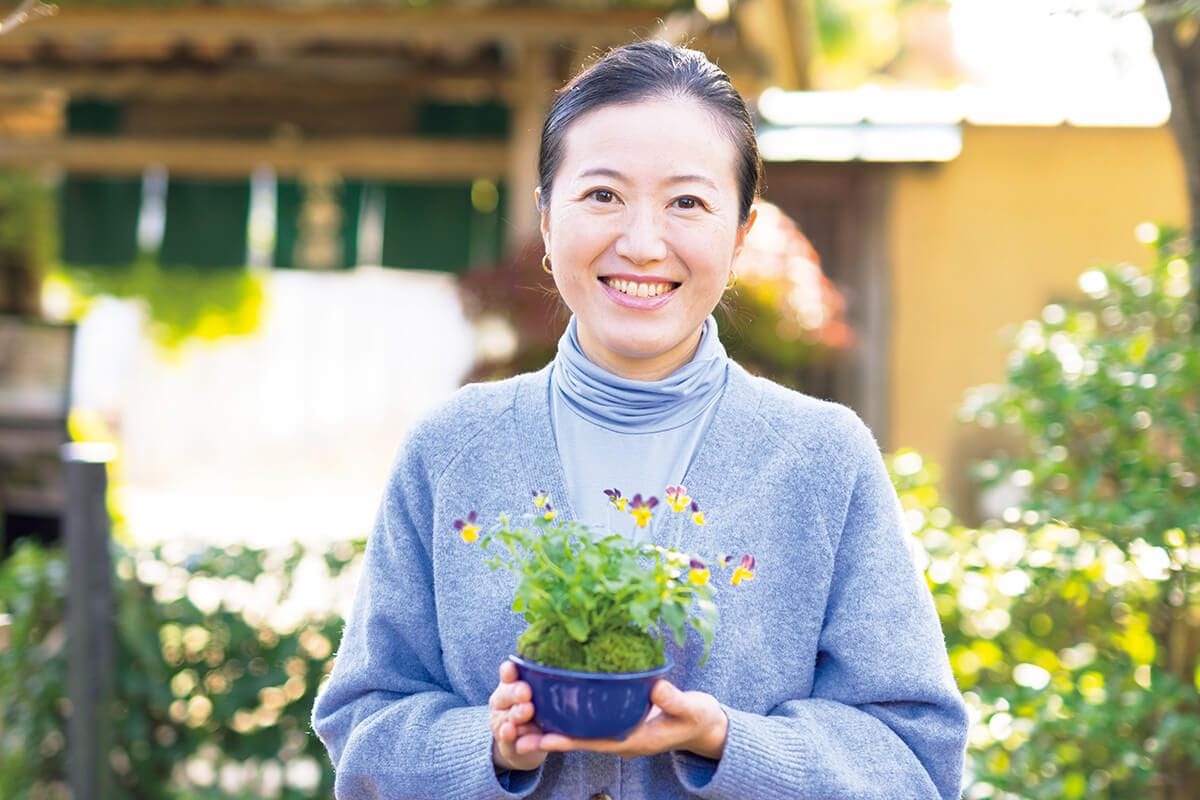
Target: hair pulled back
<point>653,70</point>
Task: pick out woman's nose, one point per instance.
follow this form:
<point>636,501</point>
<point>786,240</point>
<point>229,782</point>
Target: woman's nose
<point>641,241</point>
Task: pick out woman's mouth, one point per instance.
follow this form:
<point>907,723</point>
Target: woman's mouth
<point>642,295</point>
<point>639,288</point>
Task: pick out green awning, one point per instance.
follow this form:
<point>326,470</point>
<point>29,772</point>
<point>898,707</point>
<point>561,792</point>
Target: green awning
<point>98,218</point>
<point>94,117</point>
<point>289,202</point>
<point>476,121</point>
<point>447,227</point>
<point>206,223</point>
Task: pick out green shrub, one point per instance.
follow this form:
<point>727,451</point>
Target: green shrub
<point>181,304</point>
<point>217,667</point>
<point>33,673</point>
<point>1076,635</point>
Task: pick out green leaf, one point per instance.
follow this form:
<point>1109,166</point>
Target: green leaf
<point>577,628</point>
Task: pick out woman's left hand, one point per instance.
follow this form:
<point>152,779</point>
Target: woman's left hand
<point>691,721</point>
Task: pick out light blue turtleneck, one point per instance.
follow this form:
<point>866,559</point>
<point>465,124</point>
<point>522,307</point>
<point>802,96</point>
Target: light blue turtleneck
<point>636,436</point>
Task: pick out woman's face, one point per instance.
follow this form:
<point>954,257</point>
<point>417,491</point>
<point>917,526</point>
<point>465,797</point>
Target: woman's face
<point>641,230</point>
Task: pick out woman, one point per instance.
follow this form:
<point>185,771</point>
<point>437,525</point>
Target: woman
<point>829,677</point>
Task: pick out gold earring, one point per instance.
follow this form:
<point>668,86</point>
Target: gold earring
<point>546,264</point>
<point>732,280</point>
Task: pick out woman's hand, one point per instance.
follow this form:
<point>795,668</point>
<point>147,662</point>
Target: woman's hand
<point>691,721</point>
<point>515,737</point>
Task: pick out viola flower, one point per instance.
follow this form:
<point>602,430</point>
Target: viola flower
<point>614,497</point>
<point>642,510</point>
<point>697,514</point>
<point>548,512</point>
<point>724,560</point>
<point>697,572</point>
<point>540,498</point>
<point>468,529</point>
<point>677,497</point>
<point>744,571</point>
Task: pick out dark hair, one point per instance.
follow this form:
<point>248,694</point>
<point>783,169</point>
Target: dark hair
<point>645,70</point>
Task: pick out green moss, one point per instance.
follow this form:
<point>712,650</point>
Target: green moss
<point>552,646</point>
<point>623,650</point>
<point>627,649</point>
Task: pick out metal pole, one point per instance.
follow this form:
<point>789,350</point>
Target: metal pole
<point>90,623</point>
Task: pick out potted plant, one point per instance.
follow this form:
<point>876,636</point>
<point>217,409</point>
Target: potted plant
<point>599,606</point>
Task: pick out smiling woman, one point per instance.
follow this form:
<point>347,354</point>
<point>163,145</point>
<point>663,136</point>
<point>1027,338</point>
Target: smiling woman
<point>829,678</point>
<point>641,226</point>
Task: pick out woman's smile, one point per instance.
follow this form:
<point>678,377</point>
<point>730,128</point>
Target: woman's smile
<point>639,288</point>
<point>642,228</point>
<point>644,294</point>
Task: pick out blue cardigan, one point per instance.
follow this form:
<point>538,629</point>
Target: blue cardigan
<point>830,664</point>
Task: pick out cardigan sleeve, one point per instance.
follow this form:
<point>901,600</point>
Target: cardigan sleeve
<point>393,727</point>
<point>885,720</point>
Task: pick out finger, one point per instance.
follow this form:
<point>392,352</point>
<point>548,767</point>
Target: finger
<point>518,692</point>
<point>520,712</point>
<point>528,729</point>
<point>670,699</point>
<point>506,695</point>
<point>529,742</point>
<point>559,743</point>
<point>508,671</point>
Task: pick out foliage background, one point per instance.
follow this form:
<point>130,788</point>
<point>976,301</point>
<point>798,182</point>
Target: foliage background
<point>218,663</point>
<point>1071,622</point>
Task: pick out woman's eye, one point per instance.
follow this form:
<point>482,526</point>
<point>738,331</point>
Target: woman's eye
<point>688,203</point>
<point>602,195</point>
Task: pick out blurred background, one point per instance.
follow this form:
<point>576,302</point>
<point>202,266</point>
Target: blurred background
<point>244,244</point>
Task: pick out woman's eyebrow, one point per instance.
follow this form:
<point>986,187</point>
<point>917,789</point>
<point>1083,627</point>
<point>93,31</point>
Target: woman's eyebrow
<point>606,172</point>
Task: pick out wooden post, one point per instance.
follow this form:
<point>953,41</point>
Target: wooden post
<point>529,107</point>
<point>90,623</point>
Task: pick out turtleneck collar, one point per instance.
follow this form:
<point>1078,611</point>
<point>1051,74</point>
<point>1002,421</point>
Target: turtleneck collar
<point>630,406</point>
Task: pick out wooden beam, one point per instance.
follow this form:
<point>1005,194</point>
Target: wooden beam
<point>392,158</point>
<point>144,82</point>
<point>289,27</point>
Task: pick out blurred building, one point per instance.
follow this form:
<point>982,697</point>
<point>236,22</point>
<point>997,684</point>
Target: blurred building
<point>949,217</point>
<point>337,135</point>
<point>311,145</point>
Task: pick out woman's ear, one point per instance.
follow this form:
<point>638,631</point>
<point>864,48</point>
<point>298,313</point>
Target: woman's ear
<point>744,229</point>
<point>543,217</point>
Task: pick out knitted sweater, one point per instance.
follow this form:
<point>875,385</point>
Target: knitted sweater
<point>830,664</point>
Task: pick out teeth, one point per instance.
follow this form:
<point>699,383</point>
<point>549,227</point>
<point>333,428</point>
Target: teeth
<point>637,289</point>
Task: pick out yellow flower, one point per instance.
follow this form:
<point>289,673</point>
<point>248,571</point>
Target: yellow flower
<point>468,529</point>
<point>744,571</point>
<point>549,513</point>
<point>677,498</point>
<point>697,572</point>
<point>643,510</point>
<point>697,514</point>
<point>540,499</point>
<point>614,497</point>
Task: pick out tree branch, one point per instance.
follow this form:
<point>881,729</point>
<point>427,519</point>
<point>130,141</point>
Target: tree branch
<point>24,12</point>
<point>1179,61</point>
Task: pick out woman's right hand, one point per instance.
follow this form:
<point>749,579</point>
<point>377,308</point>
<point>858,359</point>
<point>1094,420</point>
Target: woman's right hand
<point>515,736</point>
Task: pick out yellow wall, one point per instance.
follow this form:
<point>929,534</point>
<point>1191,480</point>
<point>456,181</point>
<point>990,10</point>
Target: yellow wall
<point>983,242</point>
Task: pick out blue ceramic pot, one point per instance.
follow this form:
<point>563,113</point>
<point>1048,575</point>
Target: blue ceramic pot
<point>589,705</point>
